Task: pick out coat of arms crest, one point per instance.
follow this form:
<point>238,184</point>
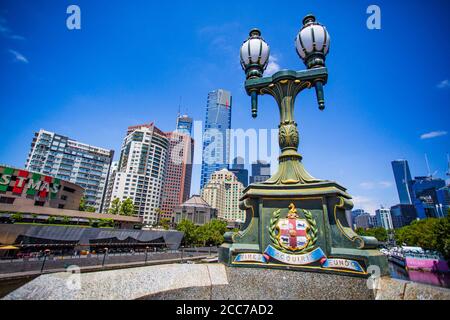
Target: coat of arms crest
<point>293,234</point>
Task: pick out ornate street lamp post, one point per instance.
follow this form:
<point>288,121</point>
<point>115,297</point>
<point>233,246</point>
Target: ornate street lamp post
<point>293,219</point>
<point>312,44</point>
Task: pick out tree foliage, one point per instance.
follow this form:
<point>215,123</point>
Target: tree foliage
<point>115,206</point>
<point>164,223</point>
<point>127,208</point>
<point>17,216</point>
<point>430,234</point>
<point>208,234</point>
<point>84,207</point>
<point>379,233</point>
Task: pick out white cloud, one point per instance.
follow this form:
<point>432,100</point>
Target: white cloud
<point>366,203</point>
<point>273,66</point>
<point>433,134</point>
<point>6,32</point>
<point>385,184</point>
<point>18,56</point>
<point>369,185</point>
<point>444,84</point>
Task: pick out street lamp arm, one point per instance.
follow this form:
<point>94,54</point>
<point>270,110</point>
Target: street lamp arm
<point>311,75</point>
<point>284,86</point>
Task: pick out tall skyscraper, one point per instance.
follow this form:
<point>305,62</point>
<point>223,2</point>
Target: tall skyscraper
<point>141,170</point>
<point>403,181</point>
<point>362,221</point>
<point>384,218</point>
<point>260,171</point>
<point>223,192</point>
<point>426,199</point>
<point>67,159</point>
<point>184,125</point>
<point>216,140</point>
<point>356,213</point>
<point>109,186</point>
<point>177,182</point>
<point>403,215</point>
<point>239,171</point>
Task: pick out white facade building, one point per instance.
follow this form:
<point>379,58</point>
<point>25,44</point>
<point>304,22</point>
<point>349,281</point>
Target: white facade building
<point>67,159</point>
<point>141,171</point>
<point>223,192</point>
<point>384,218</point>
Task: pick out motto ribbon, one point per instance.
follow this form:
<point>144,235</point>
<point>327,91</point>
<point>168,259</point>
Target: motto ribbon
<point>300,259</point>
<point>295,259</point>
<point>250,257</point>
<point>342,264</point>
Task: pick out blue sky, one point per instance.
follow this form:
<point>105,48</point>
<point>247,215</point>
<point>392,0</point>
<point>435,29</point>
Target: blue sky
<point>132,60</point>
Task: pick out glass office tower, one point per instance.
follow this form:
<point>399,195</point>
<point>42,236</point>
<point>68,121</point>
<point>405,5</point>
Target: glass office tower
<point>216,140</point>
<point>184,125</point>
<point>403,181</point>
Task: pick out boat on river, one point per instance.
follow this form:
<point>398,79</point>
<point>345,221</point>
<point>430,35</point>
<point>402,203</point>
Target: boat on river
<point>415,258</point>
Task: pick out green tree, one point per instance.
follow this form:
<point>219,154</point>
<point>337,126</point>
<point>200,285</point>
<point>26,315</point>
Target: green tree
<point>115,206</point>
<point>217,230</point>
<point>105,223</point>
<point>208,234</point>
<point>431,234</point>
<point>164,223</point>
<point>17,216</point>
<point>189,230</point>
<point>84,207</point>
<point>127,208</point>
<point>379,233</point>
<point>51,220</point>
<point>65,220</point>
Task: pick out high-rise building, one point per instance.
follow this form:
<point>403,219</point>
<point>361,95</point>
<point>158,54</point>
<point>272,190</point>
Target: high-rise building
<point>223,192</point>
<point>384,218</point>
<point>239,171</point>
<point>216,140</point>
<point>443,197</point>
<point>422,184</point>
<point>177,181</point>
<point>425,191</point>
<point>260,171</point>
<point>403,181</point>
<point>402,215</point>
<point>110,185</point>
<point>354,214</point>
<point>363,221</point>
<point>373,221</point>
<point>141,170</point>
<point>184,125</point>
<point>67,159</point>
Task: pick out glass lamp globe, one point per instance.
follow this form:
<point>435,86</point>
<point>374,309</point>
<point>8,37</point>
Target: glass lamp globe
<point>254,55</point>
<point>312,43</point>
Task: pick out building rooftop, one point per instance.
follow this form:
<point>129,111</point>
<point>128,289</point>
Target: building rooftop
<point>195,201</point>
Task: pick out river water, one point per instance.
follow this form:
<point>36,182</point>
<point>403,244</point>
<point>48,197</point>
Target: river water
<point>431,278</point>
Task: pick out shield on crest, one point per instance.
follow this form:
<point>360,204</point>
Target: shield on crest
<point>293,231</point>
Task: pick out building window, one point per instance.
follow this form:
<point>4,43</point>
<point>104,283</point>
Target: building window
<point>7,200</point>
<point>68,189</point>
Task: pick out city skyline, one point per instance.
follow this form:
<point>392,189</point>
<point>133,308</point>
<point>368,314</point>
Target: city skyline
<point>379,128</point>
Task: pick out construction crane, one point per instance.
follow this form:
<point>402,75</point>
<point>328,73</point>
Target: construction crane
<point>430,175</point>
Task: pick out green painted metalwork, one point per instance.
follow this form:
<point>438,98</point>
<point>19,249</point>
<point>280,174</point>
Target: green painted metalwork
<point>321,204</point>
